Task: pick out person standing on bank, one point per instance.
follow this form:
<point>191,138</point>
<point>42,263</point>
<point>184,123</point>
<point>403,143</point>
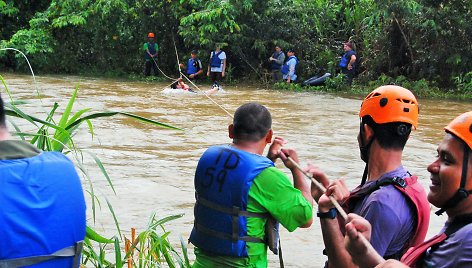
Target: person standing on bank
<point>348,62</point>
<point>451,185</point>
<point>289,68</point>
<point>239,192</point>
<point>217,66</point>
<point>389,197</point>
<point>276,61</point>
<point>42,217</point>
<point>150,55</point>
<point>194,66</point>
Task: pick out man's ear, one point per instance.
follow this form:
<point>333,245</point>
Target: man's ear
<point>231,131</point>
<point>269,135</point>
<point>368,133</point>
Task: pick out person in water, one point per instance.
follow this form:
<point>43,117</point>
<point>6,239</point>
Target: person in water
<point>217,66</point>
<point>194,66</point>
<point>150,55</point>
<point>179,84</point>
<point>389,197</point>
<point>451,185</point>
<point>239,194</point>
<point>43,206</point>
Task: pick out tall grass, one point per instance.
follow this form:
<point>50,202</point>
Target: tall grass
<point>151,248</point>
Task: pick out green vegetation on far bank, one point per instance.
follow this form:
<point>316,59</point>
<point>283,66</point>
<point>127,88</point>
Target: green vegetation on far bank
<point>421,88</point>
<point>408,40</point>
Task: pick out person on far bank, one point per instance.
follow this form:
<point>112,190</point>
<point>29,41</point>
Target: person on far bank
<point>289,68</point>
<point>450,188</point>
<point>389,197</point>
<point>217,66</point>
<point>348,62</point>
<point>276,61</point>
<point>194,66</point>
<point>150,55</point>
<point>240,194</point>
<point>43,217</point>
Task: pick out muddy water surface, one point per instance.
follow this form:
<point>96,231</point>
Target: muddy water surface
<point>152,168</point>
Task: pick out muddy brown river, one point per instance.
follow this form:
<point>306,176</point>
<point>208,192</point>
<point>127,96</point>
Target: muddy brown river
<point>152,168</point>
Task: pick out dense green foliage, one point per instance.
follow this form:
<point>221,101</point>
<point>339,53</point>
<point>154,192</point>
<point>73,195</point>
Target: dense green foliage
<point>416,39</point>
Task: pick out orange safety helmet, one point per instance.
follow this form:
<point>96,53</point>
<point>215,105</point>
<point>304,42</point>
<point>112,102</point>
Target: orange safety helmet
<point>151,35</point>
<point>387,104</point>
<point>461,126</point>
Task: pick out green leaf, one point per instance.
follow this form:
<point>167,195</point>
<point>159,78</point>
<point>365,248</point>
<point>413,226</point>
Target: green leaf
<point>91,234</point>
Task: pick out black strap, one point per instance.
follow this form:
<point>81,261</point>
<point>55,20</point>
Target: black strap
<point>456,224</point>
<point>281,259</point>
<point>72,251</point>
<point>226,236</point>
<point>231,211</point>
<point>374,186</point>
<point>235,213</point>
<point>461,193</point>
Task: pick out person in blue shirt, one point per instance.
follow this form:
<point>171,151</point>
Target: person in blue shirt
<point>289,68</point>
<point>43,206</point>
<point>194,66</point>
<point>348,62</point>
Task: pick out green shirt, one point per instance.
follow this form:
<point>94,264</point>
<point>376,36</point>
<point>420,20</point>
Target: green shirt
<point>146,47</point>
<point>270,192</point>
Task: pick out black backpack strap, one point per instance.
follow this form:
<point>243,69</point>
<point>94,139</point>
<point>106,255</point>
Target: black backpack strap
<point>235,212</point>
<point>458,223</point>
<point>72,251</point>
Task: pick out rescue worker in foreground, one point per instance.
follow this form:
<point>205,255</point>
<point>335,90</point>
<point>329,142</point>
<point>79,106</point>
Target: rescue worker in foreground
<point>42,217</point>
<point>389,197</point>
<point>451,185</point>
<point>238,192</point>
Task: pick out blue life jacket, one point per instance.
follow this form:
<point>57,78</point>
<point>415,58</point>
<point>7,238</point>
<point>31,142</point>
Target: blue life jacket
<point>215,60</point>
<point>286,67</point>
<point>192,66</point>
<point>274,65</point>
<point>152,50</point>
<point>43,212</point>
<point>346,59</point>
<point>222,181</point>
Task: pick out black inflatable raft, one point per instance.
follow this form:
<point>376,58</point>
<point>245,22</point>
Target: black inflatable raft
<point>317,80</point>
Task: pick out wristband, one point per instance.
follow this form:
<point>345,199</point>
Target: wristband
<point>331,214</point>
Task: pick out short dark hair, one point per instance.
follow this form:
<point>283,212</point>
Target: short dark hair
<point>392,135</point>
<point>2,114</point>
<point>195,52</point>
<point>252,121</point>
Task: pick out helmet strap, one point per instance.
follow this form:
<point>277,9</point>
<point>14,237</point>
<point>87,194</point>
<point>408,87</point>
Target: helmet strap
<point>462,193</point>
<point>365,152</point>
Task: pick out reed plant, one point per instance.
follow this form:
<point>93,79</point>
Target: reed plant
<point>151,248</point>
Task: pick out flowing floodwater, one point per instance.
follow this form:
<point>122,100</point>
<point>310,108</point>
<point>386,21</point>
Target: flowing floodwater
<point>152,168</point>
